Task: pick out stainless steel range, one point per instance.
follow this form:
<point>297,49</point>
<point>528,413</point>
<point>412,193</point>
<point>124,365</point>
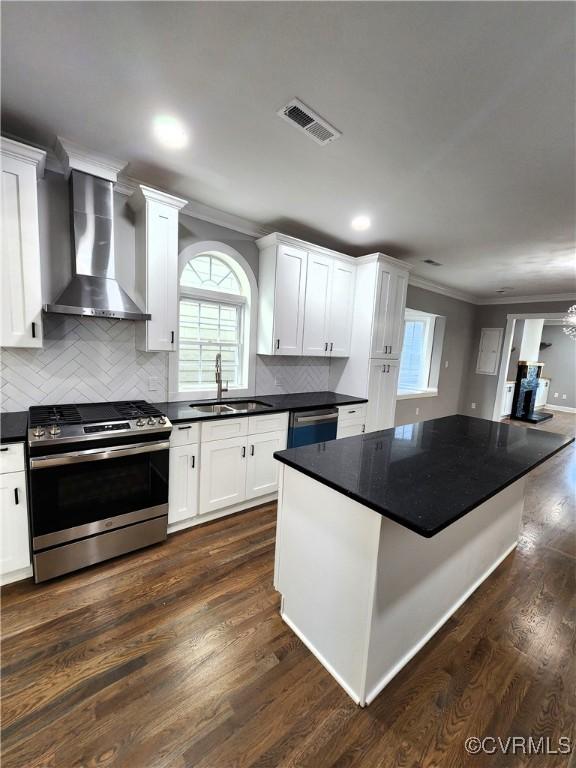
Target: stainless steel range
<point>98,482</point>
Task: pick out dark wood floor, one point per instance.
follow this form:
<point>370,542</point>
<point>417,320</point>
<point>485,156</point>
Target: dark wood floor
<point>176,656</point>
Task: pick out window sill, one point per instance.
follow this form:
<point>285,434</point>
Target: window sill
<point>414,395</point>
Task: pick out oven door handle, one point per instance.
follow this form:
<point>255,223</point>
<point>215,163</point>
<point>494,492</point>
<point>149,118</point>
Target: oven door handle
<point>95,454</point>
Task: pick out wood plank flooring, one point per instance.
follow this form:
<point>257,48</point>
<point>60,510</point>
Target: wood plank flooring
<point>176,656</point>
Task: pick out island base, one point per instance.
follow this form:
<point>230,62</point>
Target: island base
<point>364,593</point>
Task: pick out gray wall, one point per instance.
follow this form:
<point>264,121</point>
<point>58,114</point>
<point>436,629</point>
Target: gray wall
<point>481,388</point>
<point>559,366</point>
<point>456,352</point>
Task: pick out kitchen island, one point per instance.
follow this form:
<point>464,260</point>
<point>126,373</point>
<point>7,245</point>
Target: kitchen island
<point>381,537</point>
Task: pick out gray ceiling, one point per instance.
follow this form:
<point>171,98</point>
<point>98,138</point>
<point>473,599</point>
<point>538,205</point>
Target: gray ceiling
<point>457,119</point>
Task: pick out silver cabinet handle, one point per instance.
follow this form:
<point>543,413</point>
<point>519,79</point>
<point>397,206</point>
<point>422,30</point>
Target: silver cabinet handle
<point>325,346</point>
<point>192,461</point>
<point>181,428</point>
<point>251,450</point>
<point>331,346</point>
<point>95,454</point>
<point>363,428</point>
<point>243,451</point>
<point>277,343</point>
<point>16,496</point>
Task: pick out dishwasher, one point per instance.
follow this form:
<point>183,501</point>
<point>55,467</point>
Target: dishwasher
<point>317,426</point>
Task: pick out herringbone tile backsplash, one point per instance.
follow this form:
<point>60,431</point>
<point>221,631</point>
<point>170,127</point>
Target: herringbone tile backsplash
<point>82,360</point>
<point>93,359</point>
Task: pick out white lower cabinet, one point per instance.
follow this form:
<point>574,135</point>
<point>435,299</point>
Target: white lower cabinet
<point>184,472</point>
<point>14,538</point>
<point>350,429</point>
<point>262,467</point>
<point>222,473</point>
<point>382,387</point>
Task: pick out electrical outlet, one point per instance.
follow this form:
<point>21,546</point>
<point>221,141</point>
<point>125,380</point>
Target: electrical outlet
<point>473,405</point>
<point>153,383</point>
<point>563,397</point>
<point>417,411</point>
<point>445,363</point>
<point>555,394</point>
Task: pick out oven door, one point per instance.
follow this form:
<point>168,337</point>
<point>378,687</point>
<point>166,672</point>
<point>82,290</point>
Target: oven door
<point>85,492</point>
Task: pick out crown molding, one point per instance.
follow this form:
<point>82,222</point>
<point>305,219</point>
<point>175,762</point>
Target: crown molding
<point>277,238</point>
<point>143,194</point>
<point>25,153</point>
<point>74,157</point>
<point>453,293</point>
<point>538,298</point>
<point>383,257</point>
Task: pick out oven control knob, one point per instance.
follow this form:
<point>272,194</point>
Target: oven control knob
<point>151,421</point>
<point>38,432</point>
<point>140,423</point>
<point>161,420</point>
<point>55,429</point>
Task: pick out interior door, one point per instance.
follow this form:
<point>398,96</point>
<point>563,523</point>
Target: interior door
<point>290,289</point>
<point>318,282</point>
<point>14,539</point>
<point>341,308</point>
<point>262,468</point>
<point>183,492</point>
<point>222,474</point>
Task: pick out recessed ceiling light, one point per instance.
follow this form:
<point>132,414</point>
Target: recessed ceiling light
<point>360,223</point>
<point>170,132</point>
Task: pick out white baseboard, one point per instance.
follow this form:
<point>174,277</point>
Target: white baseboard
<point>19,575</point>
<point>200,519</point>
<point>563,408</point>
<point>353,695</point>
<point>421,643</point>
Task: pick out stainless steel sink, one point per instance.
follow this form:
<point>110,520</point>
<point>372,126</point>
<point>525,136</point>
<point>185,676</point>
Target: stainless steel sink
<point>238,406</point>
<point>247,405</point>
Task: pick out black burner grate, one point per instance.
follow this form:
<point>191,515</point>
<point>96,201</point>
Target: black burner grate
<point>43,415</point>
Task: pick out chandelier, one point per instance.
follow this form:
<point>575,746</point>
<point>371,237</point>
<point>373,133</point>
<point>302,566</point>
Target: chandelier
<point>569,323</point>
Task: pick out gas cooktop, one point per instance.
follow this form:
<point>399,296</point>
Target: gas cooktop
<point>72,422</point>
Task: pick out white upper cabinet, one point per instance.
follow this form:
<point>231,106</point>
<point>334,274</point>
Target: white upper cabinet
<point>390,302</point>
<point>21,309</point>
<point>157,267</point>
<point>282,288</point>
<point>341,308</point>
<point>306,299</point>
<point>317,305</point>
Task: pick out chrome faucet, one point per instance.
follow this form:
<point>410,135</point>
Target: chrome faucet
<point>218,377</point>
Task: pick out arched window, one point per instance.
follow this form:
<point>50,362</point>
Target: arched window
<point>214,318</point>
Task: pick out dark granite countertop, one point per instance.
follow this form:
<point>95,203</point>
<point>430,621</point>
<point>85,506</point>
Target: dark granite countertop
<point>426,476</point>
<point>180,411</point>
<point>13,427</point>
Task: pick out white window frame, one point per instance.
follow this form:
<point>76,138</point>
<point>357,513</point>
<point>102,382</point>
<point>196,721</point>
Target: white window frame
<point>430,323</point>
<point>249,296</point>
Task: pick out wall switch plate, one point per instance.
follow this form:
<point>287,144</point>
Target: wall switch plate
<point>555,394</point>
<point>417,411</point>
<point>153,383</point>
<point>445,363</point>
<point>563,397</point>
<point>473,405</point>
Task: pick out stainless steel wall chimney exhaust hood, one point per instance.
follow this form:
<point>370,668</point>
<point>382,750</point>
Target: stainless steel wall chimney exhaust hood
<point>93,290</point>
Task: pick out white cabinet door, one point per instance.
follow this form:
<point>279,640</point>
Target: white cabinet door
<point>184,470</point>
<point>349,429</point>
<point>390,303</point>
<point>14,538</point>
<point>21,307</point>
<point>262,467</point>
<point>316,306</point>
<point>290,291</point>
<point>341,308</point>
<point>162,302</point>
<point>381,313</point>
<point>222,473</point>
<point>382,389</point>
<point>395,319</point>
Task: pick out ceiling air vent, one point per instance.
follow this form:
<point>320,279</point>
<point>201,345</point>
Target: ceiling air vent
<point>432,262</point>
<point>308,121</point>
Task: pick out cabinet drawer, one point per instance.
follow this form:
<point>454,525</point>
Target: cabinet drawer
<point>274,422</point>
<point>351,413</point>
<point>183,434</point>
<point>12,458</point>
<point>221,429</point>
